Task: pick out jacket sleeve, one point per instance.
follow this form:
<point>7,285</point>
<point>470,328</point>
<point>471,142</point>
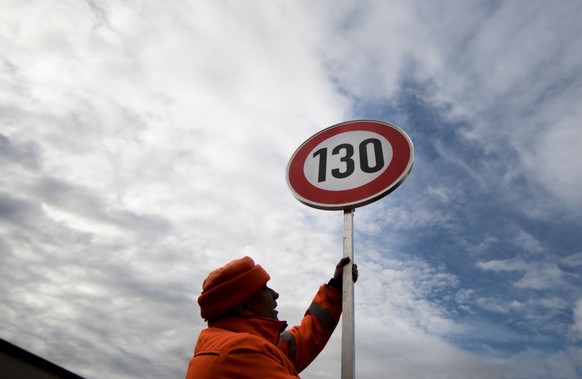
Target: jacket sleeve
<point>304,342</point>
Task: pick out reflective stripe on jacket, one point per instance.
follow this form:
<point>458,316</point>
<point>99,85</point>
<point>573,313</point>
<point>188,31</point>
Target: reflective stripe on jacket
<point>254,347</point>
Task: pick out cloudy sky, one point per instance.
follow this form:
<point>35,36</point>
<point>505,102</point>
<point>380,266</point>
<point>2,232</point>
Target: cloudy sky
<point>143,144</point>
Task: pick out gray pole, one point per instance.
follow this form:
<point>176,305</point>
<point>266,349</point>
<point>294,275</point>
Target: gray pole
<point>348,340</point>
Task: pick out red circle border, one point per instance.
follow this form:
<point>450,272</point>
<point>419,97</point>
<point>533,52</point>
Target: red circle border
<point>390,179</point>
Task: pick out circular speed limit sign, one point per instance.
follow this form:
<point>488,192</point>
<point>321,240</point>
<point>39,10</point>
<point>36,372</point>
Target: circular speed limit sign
<point>350,164</point>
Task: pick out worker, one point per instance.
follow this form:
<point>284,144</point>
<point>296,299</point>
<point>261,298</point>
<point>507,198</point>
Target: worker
<point>245,339</point>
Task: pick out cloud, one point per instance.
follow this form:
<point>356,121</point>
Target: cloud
<point>553,157</point>
<point>574,260</point>
<point>536,275</point>
<point>528,242</point>
<point>410,293</point>
<point>516,74</point>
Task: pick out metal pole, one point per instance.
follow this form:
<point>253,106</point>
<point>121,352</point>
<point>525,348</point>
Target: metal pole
<point>348,341</point>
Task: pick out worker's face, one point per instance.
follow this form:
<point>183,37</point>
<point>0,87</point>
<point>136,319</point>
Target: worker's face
<point>263,303</point>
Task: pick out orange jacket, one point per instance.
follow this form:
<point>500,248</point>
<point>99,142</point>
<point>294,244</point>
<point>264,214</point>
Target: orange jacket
<point>256,347</point>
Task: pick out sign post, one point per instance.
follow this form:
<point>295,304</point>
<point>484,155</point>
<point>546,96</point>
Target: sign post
<point>345,166</point>
<point>348,320</point>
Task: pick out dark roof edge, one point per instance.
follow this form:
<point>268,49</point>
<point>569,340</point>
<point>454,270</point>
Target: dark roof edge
<point>36,361</point>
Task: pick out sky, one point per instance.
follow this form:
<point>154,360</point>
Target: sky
<point>143,144</point>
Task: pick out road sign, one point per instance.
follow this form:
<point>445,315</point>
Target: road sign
<point>349,165</point>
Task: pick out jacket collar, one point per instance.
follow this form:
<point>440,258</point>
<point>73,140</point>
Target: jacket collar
<point>264,327</point>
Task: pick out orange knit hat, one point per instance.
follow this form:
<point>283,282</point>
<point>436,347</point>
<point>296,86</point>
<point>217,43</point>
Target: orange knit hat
<point>230,285</point>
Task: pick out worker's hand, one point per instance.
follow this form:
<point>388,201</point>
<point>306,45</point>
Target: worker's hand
<point>339,269</point>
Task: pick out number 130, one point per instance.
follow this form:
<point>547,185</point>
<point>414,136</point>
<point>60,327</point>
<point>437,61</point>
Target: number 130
<point>347,152</point>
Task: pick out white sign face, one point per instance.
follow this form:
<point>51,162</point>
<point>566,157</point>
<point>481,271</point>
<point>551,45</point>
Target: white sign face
<point>350,164</point>
<point>348,160</point>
